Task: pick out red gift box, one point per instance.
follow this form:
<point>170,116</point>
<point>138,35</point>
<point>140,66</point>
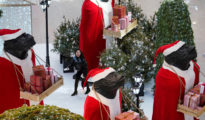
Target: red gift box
<point>47,82</point>
<point>202,100</point>
<point>39,71</point>
<point>130,115</point>
<point>120,11</point>
<point>36,84</point>
<point>27,87</point>
<point>115,20</point>
<point>191,100</point>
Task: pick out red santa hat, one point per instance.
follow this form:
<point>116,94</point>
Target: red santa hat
<point>168,49</point>
<point>7,34</point>
<point>97,74</point>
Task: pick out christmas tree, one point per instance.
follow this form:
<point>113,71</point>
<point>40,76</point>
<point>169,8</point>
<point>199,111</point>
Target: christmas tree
<point>67,37</point>
<point>134,53</point>
<point>173,23</point>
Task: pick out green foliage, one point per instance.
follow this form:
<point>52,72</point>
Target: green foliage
<point>67,37</point>
<point>134,53</point>
<point>114,58</point>
<point>39,113</point>
<point>126,105</point>
<point>1,13</point>
<point>173,23</point>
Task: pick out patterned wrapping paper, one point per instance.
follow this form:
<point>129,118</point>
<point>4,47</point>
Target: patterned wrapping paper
<point>119,11</point>
<point>27,87</point>
<point>115,20</point>
<point>40,71</point>
<point>47,82</point>
<point>130,115</point>
<point>36,84</point>
<point>199,89</point>
<point>122,22</point>
<point>191,100</point>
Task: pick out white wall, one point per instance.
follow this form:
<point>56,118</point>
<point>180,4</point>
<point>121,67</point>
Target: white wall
<point>71,9</point>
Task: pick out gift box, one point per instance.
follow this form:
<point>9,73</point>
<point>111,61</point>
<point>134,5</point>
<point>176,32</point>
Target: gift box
<point>47,82</point>
<point>27,87</point>
<point>120,11</point>
<point>191,100</point>
<point>199,89</point>
<point>129,16</point>
<point>39,71</point>
<point>130,115</point>
<point>196,89</point>
<point>122,22</point>
<point>115,20</point>
<point>127,21</point>
<point>115,27</point>
<point>36,84</point>
<point>54,79</point>
<point>49,71</point>
<point>202,100</point>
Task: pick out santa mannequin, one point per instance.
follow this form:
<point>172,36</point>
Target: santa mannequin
<point>96,14</point>
<point>104,100</point>
<point>16,65</point>
<point>178,61</point>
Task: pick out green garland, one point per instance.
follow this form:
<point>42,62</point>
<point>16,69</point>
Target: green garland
<point>39,113</point>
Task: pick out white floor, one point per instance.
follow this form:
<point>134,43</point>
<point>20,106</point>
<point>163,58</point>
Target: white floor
<point>62,96</point>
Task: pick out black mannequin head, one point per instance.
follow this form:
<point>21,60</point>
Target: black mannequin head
<point>19,47</point>
<point>109,85</point>
<point>104,0</point>
<point>182,57</point>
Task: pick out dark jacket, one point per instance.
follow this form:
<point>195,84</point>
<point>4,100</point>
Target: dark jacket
<point>80,65</point>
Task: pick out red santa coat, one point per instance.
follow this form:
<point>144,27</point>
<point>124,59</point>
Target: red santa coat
<point>91,29</point>
<point>167,91</point>
<point>93,109</point>
<point>9,87</point>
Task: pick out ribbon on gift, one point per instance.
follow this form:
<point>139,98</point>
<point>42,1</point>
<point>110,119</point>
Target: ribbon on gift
<point>190,100</point>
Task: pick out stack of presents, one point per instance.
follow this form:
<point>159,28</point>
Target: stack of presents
<point>120,20</point>
<point>42,79</point>
<point>129,115</point>
<point>195,98</point>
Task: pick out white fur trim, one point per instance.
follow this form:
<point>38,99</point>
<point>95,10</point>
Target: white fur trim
<point>113,104</point>
<point>107,11</point>
<point>11,36</point>
<point>173,48</point>
<point>102,74</point>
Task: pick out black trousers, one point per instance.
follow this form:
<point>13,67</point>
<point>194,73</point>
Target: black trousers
<point>78,78</point>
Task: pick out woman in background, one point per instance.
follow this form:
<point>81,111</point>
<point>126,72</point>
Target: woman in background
<point>80,65</point>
